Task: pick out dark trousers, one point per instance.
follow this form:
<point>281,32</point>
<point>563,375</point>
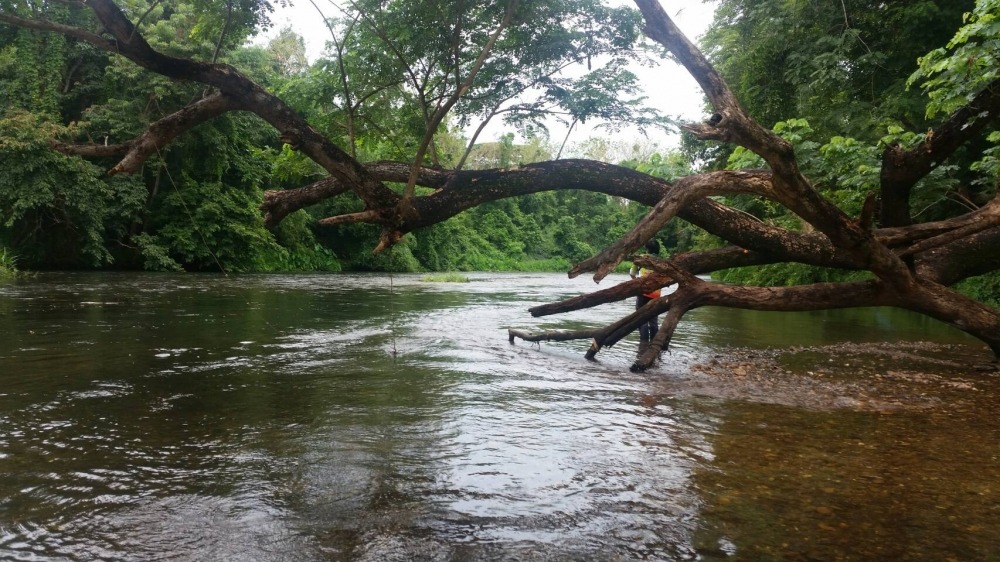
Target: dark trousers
<point>648,329</point>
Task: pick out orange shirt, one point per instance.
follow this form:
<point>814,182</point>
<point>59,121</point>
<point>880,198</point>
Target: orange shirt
<point>642,272</point>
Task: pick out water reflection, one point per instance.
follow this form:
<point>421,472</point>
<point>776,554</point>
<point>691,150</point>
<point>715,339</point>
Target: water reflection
<point>194,417</point>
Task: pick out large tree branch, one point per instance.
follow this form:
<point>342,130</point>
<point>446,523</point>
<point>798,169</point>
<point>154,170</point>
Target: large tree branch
<point>690,295</point>
<point>791,188</point>
<point>929,298</point>
<point>972,255</point>
<point>903,168</point>
<point>902,237</point>
<point>469,188</point>
<point>279,204</point>
<point>985,219</point>
<point>229,81</point>
<point>158,135</point>
<point>772,244</point>
<point>90,150</point>
<point>680,194</point>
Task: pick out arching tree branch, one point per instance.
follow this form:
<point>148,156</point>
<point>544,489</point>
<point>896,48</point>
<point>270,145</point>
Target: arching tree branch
<point>680,194</point>
<point>158,135</point>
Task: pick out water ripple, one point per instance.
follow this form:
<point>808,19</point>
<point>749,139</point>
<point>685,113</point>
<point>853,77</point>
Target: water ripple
<point>315,417</point>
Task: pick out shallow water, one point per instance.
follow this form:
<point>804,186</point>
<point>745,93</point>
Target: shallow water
<point>358,417</point>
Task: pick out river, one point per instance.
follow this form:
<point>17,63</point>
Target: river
<point>369,417</point>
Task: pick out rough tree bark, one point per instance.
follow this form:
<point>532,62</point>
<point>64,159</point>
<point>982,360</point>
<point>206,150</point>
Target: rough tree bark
<point>913,264</point>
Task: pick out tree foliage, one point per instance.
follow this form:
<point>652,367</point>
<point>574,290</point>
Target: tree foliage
<point>57,209</point>
<point>846,169</point>
<point>194,206</point>
<point>832,63</point>
<point>952,75</point>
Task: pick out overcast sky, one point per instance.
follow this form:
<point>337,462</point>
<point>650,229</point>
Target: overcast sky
<point>669,88</point>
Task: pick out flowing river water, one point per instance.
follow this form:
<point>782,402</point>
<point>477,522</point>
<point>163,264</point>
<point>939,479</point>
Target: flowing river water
<point>363,417</point>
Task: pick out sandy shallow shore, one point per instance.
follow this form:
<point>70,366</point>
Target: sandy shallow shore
<point>863,377</point>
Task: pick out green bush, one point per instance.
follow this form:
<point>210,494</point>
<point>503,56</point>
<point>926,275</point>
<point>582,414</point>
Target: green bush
<point>984,288</point>
<point>545,265</point>
<point>8,264</point>
<point>58,210</point>
<point>786,274</point>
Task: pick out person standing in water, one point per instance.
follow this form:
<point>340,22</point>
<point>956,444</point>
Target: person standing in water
<point>648,329</point>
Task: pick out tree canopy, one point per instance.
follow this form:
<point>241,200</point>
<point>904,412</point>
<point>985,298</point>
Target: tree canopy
<point>853,167</point>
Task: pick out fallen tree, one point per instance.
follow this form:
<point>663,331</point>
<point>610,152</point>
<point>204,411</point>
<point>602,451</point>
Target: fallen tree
<point>912,265</point>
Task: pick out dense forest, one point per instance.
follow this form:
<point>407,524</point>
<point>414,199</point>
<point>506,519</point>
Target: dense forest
<point>195,204</point>
<point>839,165</point>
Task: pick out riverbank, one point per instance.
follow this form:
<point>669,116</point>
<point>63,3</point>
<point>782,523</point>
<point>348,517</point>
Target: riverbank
<point>849,451</point>
<point>879,377</point>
